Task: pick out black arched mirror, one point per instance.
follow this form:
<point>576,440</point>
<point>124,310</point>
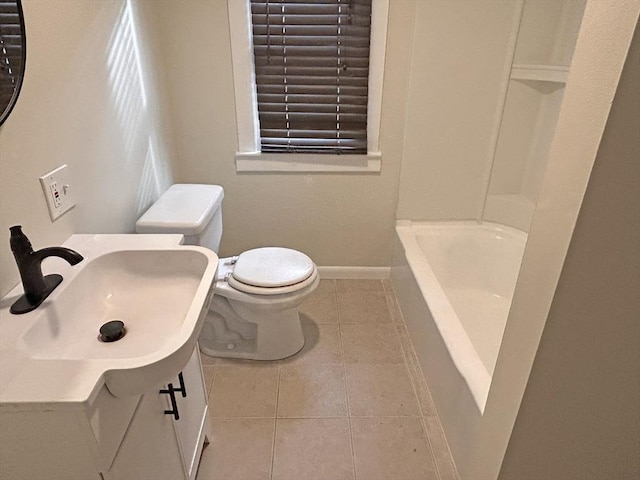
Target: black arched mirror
<point>13,50</point>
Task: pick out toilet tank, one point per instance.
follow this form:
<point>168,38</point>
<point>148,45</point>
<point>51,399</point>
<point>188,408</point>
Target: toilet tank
<point>192,210</point>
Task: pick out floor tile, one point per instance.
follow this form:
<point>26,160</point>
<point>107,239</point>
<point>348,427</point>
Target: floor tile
<point>440,449</point>
<point>387,285</point>
<point>207,372</point>
<point>391,449</point>
<point>321,306</point>
<point>313,449</point>
<point>363,307</point>
<point>312,391</point>
<point>347,286</point>
<point>353,403</point>
<point>321,346</point>
<point>325,285</point>
<point>423,394</point>
<point>380,390</point>
<point>394,309</point>
<point>239,449</point>
<point>207,360</point>
<point>245,362</point>
<point>372,343</point>
<point>243,392</point>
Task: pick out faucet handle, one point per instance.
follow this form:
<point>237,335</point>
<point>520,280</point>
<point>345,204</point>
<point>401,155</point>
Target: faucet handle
<point>19,242</point>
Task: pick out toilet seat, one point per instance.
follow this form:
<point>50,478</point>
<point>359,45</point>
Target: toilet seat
<point>272,271</point>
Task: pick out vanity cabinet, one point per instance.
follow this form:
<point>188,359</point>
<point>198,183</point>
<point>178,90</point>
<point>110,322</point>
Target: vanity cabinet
<point>112,438</point>
<point>166,437</point>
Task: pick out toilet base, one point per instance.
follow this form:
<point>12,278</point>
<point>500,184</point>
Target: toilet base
<point>275,336</point>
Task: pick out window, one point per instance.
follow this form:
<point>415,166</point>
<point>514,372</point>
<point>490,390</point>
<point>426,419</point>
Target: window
<point>311,61</point>
<point>308,83</point>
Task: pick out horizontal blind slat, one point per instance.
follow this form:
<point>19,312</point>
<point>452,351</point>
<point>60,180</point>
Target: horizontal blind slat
<point>292,89</point>
<point>313,142</point>
<point>302,41</point>
<point>266,64</point>
<point>10,17</point>
<point>296,133</point>
<point>301,2</point>
<point>266,73</point>
<point>260,19</point>
<point>315,8</point>
<point>331,30</point>
<point>311,51</point>
<point>304,98</point>
<point>327,79</point>
<point>321,119</point>
<point>313,107</point>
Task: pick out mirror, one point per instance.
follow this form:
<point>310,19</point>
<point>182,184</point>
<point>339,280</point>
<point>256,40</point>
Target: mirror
<point>12,54</point>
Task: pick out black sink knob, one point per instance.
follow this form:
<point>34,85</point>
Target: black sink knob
<point>112,331</point>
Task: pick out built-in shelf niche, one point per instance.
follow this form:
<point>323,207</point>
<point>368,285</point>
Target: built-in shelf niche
<point>544,47</point>
<point>540,73</point>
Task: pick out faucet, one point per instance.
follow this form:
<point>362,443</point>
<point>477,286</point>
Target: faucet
<point>36,286</point>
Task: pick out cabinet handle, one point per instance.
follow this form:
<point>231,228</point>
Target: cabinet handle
<point>174,406</point>
<point>182,388</point>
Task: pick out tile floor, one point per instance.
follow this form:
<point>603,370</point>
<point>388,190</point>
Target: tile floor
<point>352,404</point>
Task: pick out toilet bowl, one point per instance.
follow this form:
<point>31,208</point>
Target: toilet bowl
<point>254,309</point>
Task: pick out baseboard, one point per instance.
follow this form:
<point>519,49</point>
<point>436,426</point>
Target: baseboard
<point>354,273</point>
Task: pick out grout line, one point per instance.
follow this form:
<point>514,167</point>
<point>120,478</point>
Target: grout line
<point>275,426</point>
<point>242,418</point>
<point>424,416</point>
<point>328,417</point>
<point>210,385</point>
<point>346,391</point>
<point>406,355</point>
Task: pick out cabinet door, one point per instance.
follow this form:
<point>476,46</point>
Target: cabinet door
<point>150,448</point>
<point>193,424</point>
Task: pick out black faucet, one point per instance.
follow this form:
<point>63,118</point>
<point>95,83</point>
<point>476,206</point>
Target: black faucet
<point>36,286</point>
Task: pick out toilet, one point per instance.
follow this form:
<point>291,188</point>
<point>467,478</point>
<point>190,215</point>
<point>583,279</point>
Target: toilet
<point>254,309</point>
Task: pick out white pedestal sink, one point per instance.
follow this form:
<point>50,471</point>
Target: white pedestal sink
<point>75,408</point>
<point>158,288</point>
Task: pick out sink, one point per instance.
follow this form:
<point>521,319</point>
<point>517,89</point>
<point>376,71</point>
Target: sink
<point>160,295</point>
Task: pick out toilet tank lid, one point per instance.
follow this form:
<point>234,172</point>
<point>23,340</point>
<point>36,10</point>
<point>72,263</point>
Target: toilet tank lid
<point>183,208</point>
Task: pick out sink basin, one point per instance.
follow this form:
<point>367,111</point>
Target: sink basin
<point>161,296</point>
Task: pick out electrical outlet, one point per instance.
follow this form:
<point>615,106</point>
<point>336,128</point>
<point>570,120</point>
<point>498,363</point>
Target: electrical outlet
<point>56,186</point>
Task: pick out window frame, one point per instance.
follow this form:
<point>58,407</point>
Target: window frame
<point>248,157</point>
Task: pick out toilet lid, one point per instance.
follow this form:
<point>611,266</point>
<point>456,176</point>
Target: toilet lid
<point>272,267</point>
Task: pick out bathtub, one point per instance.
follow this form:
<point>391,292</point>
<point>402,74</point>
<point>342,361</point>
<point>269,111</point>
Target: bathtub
<point>454,282</point>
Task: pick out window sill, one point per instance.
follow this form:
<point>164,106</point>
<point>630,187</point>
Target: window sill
<point>308,163</point>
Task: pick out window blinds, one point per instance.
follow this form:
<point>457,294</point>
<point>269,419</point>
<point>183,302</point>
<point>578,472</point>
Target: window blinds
<point>11,51</point>
<point>312,71</point>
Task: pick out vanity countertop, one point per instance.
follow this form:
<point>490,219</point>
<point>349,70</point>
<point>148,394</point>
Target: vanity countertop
<point>29,383</point>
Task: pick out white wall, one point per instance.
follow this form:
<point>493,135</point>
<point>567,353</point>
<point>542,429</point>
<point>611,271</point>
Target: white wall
<point>580,412</point>
<point>88,102</point>
<point>600,54</point>
<point>338,219</point>
<point>460,58</point>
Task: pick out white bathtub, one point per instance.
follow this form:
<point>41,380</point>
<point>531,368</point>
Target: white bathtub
<point>465,274</point>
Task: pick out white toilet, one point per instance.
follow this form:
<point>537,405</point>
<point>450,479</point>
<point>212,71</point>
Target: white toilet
<point>254,311</point>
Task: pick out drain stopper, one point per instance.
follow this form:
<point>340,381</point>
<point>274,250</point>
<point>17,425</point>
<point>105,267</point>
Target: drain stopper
<point>112,331</point>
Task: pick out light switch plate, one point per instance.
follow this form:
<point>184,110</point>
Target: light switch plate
<point>56,186</point>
